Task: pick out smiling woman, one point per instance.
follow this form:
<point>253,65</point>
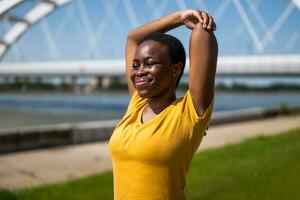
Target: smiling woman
<point>151,69</point>
<point>161,55</point>
<point>154,143</point>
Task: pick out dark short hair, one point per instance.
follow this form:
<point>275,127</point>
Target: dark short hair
<point>174,46</point>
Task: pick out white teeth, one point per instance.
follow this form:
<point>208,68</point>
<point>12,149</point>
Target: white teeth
<point>142,79</point>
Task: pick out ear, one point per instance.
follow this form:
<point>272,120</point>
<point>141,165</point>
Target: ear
<point>177,68</point>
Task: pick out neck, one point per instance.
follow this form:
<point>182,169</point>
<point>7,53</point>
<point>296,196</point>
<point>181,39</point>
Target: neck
<point>158,104</point>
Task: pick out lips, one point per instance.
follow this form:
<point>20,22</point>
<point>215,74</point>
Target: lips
<point>142,82</point>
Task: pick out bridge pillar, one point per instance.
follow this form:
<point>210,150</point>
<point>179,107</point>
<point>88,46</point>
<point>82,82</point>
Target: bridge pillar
<point>69,80</point>
<point>102,82</point>
<point>94,84</point>
<point>106,82</point>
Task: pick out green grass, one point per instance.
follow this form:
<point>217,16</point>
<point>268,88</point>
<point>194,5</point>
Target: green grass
<point>90,188</point>
<point>262,168</point>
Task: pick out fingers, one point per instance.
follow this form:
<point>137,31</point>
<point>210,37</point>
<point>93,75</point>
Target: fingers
<point>198,15</point>
<point>193,17</point>
<point>205,19</point>
<point>208,22</point>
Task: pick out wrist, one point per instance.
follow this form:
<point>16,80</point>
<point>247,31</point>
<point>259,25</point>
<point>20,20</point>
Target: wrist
<point>178,18</point>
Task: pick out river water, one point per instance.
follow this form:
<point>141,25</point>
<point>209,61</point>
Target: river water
<point>19,110</point>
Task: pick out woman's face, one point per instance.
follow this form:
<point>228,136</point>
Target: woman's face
<point>152,71</point>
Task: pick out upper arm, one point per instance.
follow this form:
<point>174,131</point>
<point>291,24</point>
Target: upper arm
<point>131,47</point>
<point>202,69</point>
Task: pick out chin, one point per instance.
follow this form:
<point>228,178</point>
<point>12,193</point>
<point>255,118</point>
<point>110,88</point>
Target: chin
<point>144,93</point>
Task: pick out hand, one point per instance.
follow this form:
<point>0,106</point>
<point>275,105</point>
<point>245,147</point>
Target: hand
<point>192,17</point>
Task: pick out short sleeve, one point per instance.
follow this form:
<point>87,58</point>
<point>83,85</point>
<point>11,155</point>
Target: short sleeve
<point>191,111</point>
<point>135,102</point>
<point>198,124</point>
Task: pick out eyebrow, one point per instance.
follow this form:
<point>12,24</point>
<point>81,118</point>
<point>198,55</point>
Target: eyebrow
<point>146,58</point>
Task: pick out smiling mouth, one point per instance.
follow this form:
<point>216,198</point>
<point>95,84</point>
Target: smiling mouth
<point>142,82</point>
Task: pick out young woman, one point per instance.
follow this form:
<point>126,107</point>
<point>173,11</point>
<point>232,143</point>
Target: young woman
<point>154,143</point>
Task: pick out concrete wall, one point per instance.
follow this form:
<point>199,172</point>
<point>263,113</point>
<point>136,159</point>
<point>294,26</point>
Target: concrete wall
<point>19,139</point>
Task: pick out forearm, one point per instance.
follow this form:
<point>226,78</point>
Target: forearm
<point>162,25</point>
<point>203,47</point>
<point>203,61</point>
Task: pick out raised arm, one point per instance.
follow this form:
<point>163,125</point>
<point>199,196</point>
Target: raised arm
<point>162,25</point>
<point>203,62</point>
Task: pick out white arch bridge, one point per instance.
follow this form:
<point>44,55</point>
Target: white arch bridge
<point>273,65</point>
<point>39,12</point>
<point>23,24</point>
<point>288,65</point>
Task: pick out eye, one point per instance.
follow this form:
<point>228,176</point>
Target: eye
<point>135,65</point>
<point>150,63</point>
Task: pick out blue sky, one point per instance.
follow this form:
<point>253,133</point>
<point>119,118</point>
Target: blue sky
<point>74,41</point>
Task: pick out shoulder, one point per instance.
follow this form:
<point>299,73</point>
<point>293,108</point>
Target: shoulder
<point>186,107</point>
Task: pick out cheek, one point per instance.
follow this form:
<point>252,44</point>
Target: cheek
<point>164,76</point>
<point>131,75</point>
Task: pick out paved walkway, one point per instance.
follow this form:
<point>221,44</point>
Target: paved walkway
<point>38,167</point>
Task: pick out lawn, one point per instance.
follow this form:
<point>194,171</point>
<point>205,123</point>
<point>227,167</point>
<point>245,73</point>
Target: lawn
<point>260,168</point>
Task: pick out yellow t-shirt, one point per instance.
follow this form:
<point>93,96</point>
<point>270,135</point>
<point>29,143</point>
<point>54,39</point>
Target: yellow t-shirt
<point>150,160</point>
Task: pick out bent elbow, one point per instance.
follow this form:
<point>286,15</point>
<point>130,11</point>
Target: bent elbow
<point>132,36</point>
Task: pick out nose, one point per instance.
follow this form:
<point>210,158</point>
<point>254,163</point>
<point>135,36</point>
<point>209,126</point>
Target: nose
<point>141,71</point>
